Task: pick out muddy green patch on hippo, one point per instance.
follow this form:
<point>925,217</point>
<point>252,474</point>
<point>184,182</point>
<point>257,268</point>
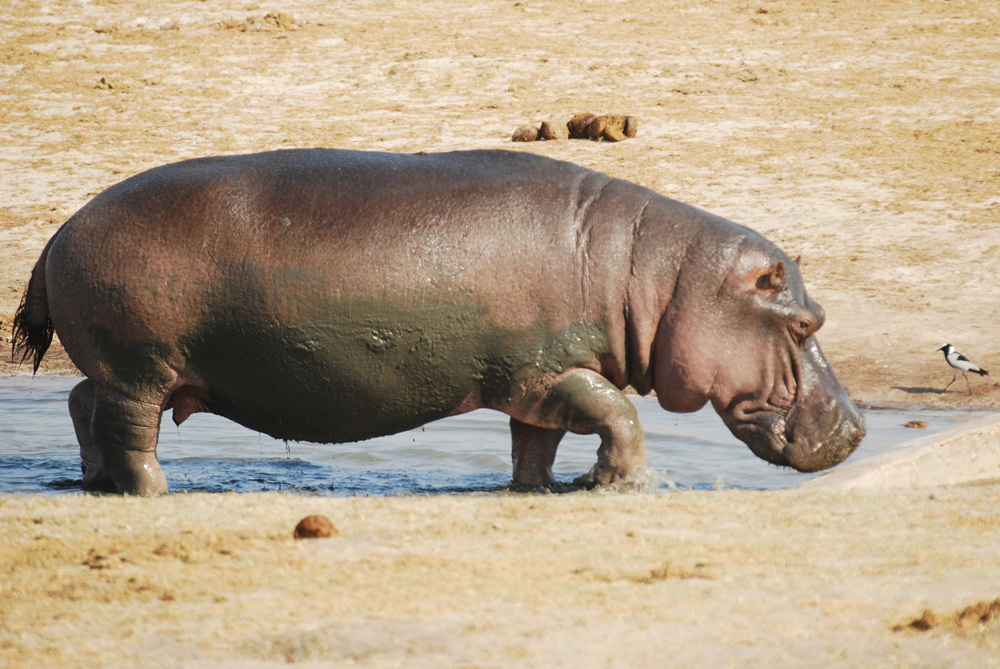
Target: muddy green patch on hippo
<point>336,296</point>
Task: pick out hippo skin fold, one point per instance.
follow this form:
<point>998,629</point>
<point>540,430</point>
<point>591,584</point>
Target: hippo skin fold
<point>335,296</point>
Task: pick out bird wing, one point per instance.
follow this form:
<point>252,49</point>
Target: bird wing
<point>963,363</point>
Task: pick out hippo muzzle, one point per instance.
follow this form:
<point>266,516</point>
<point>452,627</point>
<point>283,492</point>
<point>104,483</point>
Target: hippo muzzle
<point>820,429</point>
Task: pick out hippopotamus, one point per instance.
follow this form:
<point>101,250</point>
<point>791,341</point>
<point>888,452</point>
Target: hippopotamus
<point>335,296</point>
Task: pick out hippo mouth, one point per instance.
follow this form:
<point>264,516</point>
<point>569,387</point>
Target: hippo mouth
<point>823,439</point>
<point>762,430</point>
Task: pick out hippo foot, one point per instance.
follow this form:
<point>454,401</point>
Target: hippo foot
<point>551,488</point>
<point>102,486</point>
<point>96,478</point>
<point>633,481</point>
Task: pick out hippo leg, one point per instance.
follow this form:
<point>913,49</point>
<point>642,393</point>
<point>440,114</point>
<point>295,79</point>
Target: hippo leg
<point>81,410</point>
<point>125,432</point>
<point>533,451</point>
<point>584,402</point>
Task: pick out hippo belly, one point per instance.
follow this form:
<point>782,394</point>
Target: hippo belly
<point>355,375</point>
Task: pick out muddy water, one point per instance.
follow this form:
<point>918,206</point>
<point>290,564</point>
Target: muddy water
<point>39,454</point>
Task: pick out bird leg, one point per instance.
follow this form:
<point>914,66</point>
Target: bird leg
<point>951,382</point>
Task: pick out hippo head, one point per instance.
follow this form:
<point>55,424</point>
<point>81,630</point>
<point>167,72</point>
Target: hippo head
<point>739,331</point>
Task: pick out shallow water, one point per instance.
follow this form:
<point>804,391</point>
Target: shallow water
<point>39,453</point>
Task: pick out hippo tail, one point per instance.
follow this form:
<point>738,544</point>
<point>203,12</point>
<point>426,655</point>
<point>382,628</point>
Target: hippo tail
<point>32,331</point>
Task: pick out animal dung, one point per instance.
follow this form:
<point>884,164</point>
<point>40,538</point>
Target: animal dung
<point>550,131</point>
<point>315,527</point>
<point>524,134</point>
<point>609,127</point>
<point>578,125</point>
<point>975,616</point>
<point>917,424</point>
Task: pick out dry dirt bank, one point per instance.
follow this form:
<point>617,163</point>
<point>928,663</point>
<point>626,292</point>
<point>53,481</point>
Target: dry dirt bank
<point>862,135</point>
<point>713,579</point>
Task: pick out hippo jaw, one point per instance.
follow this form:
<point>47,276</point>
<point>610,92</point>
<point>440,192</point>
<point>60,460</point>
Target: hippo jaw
<point>810,447</point>
<point>818,430</point>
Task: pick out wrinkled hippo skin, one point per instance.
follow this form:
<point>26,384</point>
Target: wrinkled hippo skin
<point>336,296</point>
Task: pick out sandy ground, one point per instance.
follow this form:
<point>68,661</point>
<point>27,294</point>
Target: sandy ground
<point>695,579</point>
<point>862,135</point>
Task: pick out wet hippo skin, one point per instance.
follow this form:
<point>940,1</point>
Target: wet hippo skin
<point>336,296</point>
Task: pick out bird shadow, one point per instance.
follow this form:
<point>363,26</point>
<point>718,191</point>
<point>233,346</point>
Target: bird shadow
<point>921,391</point>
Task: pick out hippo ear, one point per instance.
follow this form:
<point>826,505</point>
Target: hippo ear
<point>773,279</point>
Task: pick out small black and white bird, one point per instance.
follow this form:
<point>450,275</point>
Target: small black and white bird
<point>961,364</point>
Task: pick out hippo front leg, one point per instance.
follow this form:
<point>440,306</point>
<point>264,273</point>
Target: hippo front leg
<point>533,450</point>
<point>583,402</point>
<point>117,438</point>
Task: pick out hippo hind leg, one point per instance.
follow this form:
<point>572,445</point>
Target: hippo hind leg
<point>81,410</point>
<point>117,438</point>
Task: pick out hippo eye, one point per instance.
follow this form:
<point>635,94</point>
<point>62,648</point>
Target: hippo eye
<point>801,328</point>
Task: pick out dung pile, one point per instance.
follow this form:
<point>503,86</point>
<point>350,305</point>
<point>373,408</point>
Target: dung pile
<point>599,128</point>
